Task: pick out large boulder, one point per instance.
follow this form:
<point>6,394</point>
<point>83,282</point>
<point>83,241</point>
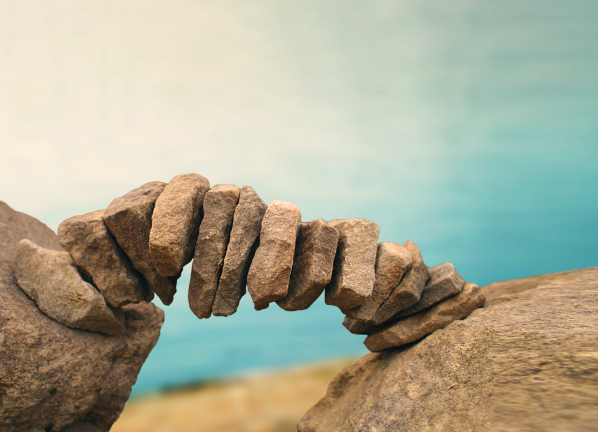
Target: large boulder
<point>526,362</point>
<point>53,377</point>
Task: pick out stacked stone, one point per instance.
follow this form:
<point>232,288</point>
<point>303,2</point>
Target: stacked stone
<point>140,243</point>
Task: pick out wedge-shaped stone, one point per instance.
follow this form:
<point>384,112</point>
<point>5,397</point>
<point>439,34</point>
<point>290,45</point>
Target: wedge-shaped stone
<point>129,219</point>
<point>392,261</point>
<point>51,279</point>
<point>408,291</point>
<point>219,208</point>
<point>175,223</point>
<point>416,327</point>
<point>354,271</point>
<point>312,265</point>
<point>270,270</point>
<point>91,246</point>
<point>359,327</point>
<point>244,238</point>
<point>444,282</point>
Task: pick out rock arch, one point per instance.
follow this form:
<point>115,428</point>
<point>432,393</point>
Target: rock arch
<point>136,248</point>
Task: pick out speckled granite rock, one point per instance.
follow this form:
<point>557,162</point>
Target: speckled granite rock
<point>270,270</point>
<point>354,271</point>
<point>214,231</point>
<point>244,239</point>
<point>312,265</point>
<point>175,223</point>
<point>37,353</point>
<point>51,279</point>
<point>392,261</point>
<point>91,246</point>
<point>129,219</point>
<point>525,362</point>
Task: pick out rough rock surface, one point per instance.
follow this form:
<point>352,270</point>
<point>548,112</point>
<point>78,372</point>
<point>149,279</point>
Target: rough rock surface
<point>91,246</point>
<point>525,362</point>
<point>214,231</point>
<point>129,219</point>
<point>101,369</point>
<point>354,274</point>
<point>444,282</point>
<point>175,223</point>
<point>270,270</point>
<point>392,261</point>
<point>417,326</point>
<point>312,265</point>
<point>247,224</point>
<point>408,291</point>
<point>51,279</point>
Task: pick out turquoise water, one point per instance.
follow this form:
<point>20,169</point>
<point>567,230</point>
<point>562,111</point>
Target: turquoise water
<point>502,152</point>
<point>469,127</point>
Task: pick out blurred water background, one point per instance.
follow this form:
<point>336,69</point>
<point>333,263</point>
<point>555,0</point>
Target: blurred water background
<point>468,126</point>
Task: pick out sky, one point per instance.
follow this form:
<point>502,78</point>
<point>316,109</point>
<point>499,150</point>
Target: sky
<point>466,126</point>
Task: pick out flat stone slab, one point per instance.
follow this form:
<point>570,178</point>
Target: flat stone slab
<point>244,238</point>
<point>354,271</point>
<point>270,270</point>
<point>444,282</point>
<point>418,326</point>
<point>175,223</point>
<point>129,219</point>
<point>312,265</point>
<point>51,279</point>
<point>91,246</point>
<point>219,208</point>
<point>392,262</point>
<point>408,292</point>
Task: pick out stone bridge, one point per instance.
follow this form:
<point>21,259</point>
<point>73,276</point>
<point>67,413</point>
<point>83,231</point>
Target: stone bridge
<point>111,262</point>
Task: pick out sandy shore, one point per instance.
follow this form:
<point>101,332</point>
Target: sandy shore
<point>269,402</point>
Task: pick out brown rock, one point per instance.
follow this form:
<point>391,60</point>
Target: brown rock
<point>53,376</point>
<point>354,271</point>
<point>444,282</point>
<point>219,209</point>
<point>359,327</point>
<point>270,270</point>
<point>408,292</point>
<point>51,279</point>
<point>244,239</point>
<point>91,246</point>
<point>418,326</point>
<point>175,223</point>
<point>392,261</point>
<point>129,219</point>
<point>525,362</point>
<point>312,265</point>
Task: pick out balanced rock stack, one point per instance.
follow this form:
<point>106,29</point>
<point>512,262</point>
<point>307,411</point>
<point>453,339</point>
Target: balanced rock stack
<point>139,245</point>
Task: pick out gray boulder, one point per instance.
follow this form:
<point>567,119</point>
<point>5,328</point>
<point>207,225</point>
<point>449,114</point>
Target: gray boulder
<point>52,376</point>
<point>525,362</point>
<point>51,279</point>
